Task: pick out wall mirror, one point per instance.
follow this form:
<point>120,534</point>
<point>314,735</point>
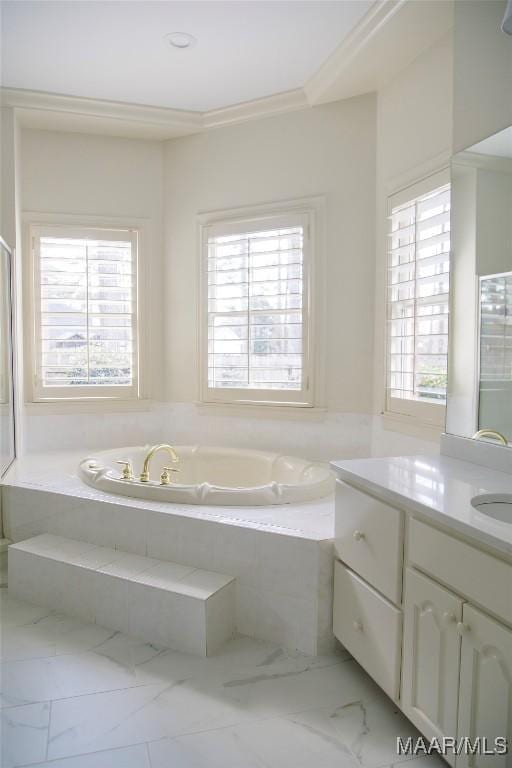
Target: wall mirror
<point>480,347</point>
<point>7,442</point>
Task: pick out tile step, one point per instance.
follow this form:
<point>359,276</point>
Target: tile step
<point>168,604</point>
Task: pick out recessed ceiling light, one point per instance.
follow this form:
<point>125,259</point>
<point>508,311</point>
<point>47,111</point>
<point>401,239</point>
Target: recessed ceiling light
<point>180,39</point>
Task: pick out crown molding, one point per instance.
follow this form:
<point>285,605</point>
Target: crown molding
<point>367,57</point>
<point>60,112</point>
<point>71,113</point>
<point>391,35</point>
<point>288,101</point>
<point>379,14</point>
<point>486,162</point>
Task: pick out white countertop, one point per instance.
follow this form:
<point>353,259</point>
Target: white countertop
<point>438,487</point>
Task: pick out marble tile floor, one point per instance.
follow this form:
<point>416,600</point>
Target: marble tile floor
<point>76,695</point>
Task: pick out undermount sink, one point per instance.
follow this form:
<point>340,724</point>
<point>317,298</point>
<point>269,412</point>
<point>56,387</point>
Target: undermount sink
<point>495,505</point>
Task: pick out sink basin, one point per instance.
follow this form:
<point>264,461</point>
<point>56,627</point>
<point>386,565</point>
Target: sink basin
<point>495,505</point>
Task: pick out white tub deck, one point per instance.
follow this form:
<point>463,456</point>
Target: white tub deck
<point>280,556</point>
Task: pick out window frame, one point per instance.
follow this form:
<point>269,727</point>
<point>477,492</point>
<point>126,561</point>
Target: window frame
<point>237,221</point>
<point>36,393</point>
<point>429,413</point>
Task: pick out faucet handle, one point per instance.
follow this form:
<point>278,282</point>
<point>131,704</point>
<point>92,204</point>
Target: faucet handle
<point>127,469</point>
<point>165,477</point>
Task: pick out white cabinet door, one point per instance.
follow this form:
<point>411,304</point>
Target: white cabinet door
<point>431,656</point>
<point>485,702</point>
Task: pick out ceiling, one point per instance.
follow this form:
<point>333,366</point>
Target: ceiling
<point>499,145</point>
<point>115,50</point>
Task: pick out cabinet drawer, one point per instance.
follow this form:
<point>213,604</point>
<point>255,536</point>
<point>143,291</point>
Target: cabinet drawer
<point>369,627</point>
<point>476,575</point>
<point>369,539</point>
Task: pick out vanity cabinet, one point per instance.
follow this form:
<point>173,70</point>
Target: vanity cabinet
<point>441,647</point>
<point>477,575</point>
<point>485,698</point>
<point>431,655</point>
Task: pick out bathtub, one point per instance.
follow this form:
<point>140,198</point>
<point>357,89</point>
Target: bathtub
<point>211,476</point>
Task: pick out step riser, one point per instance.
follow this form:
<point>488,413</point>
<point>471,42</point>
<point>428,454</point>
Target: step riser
<point>154,615</point>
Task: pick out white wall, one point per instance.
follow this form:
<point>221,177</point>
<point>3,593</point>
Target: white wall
<point>494,220</point>
<point>327,151</point>
<point>414,137</point>
<point>482,72</point>
<point>87,175</point>
<point>77,175</point>
<point>415,115</point>
<point>7,176</point>
<point>353,152</point>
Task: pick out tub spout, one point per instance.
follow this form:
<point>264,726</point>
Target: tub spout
<point>144,476</point>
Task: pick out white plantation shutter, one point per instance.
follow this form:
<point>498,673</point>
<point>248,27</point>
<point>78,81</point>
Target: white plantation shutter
<point>257,310</point>
<point>418,295</point>
<point>85,291</point>
<point>495,329</point>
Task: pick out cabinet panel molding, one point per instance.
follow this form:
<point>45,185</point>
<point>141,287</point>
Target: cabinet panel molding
<point>485,696</point>
<point>431,656</point>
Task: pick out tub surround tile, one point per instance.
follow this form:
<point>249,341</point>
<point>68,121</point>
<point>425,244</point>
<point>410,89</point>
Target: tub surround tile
<point>52,583</point>
<point>58,548</point>
<point>284,619</point>
<point>111,604</point>
<point>175,606</point>
<point>167,618</point>
<point>204,583</point>
<point>184,539</point>
<point>220,613</point>
<point>312,520</point>
<point>126,565</point>
<point>272,552</point>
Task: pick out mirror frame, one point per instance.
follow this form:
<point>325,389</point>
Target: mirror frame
<point>457,410</point>
<point>10,354</point>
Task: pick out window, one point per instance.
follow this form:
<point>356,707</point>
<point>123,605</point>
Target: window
<point>418,298</point>
<point>495,329</point>
<point>257,310</point>
<point>85,305</point>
